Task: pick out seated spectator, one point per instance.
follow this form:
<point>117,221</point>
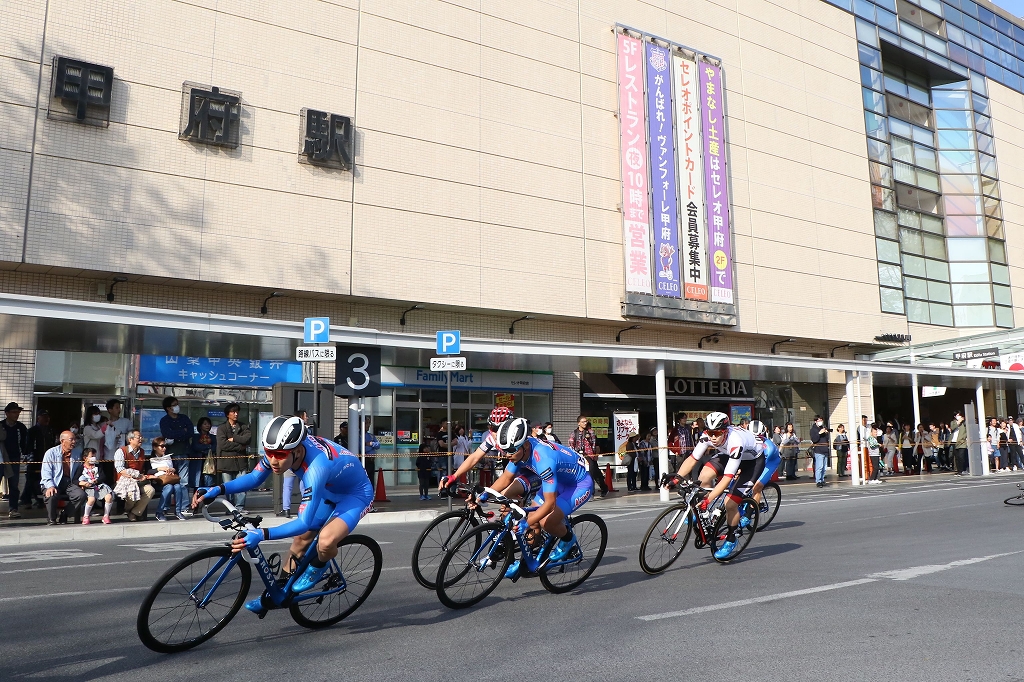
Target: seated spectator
<point>162,467</point>
<point>134,486</point>
<point>58,477</point>
<point>91,481</point>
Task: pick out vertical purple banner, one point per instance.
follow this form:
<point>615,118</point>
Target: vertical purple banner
<point>663,171</point>
<point>716,181</point>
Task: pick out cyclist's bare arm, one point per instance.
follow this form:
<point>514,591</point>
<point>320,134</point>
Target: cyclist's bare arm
<point>467,464</point>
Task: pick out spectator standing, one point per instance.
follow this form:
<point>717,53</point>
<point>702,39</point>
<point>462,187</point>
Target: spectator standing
<point>630,459</point>
<point>653,456</point>
<point>40,438</point>
<point>233,438</point>
<point>59,477</point>
<point>1004,447</point>
<point>117,427</point>
<point>461,447</point>
<point>777,436</point>
<point>945,446</point>
<point>907,442</point>
<point>583,441</point>
<point>13,447</point>
<point>959,438</point>
<point>549,433</point>
<point>177,431</point>
<point>841,444</point>
<point>889,447</point>
<point>370,444</point>
<point>134,485</point>
<point>1016,437</point>
<point>642,464</point>
<point>874,450</point>
<point>203,452</point>
<point>789,448</point>
<point>91,481</point>
<point>423,467</point>
<point>819,442</point>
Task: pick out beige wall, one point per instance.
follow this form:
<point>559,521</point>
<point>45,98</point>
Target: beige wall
<point>480,133</point>
<point>1008,131</point>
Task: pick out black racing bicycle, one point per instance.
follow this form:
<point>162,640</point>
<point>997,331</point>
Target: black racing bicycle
<point>1016,500</point>
<point>442,533</point>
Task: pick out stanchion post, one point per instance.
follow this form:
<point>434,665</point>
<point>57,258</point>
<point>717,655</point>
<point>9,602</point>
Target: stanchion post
<point>662,408</point>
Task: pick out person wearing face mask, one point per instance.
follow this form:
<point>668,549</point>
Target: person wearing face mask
<point>549,433</point>
<point>820,440</point>
<point>178,431</point>
<point>92,432</point>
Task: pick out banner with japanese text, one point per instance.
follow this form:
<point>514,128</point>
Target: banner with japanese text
<point>663,171</point>
<point>627,424</point>
<point>694,261</point>
<point>716,180</point>
<point>199,371</point>
<point>633,148</point>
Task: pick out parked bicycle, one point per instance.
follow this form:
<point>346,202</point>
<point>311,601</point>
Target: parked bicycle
<point>477,562</point>
<point>198,596</point>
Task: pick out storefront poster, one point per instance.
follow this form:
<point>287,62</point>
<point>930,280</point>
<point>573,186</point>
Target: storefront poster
<point>1013,362</point>
<point>600,426</point>
<point>663,171</point>
<point>633,149</point>
<point>194,371</point>
<point>505,400</point>
<point>738,413</point>
<point>693,262</point>
<point>626,424</point>
<point>716,180</point>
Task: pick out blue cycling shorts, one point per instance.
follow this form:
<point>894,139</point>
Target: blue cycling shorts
<point>570,500</point>
<point>348,508</point>
<point>771,463</point>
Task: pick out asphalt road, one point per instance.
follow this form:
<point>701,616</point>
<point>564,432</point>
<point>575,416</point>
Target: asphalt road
<point>907,581</point>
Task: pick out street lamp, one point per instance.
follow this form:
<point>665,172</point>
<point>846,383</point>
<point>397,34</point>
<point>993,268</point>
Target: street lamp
<point>263,308</point>
<point>415,307</point>
<point>110,292</point>
<point>618,337</point>
<point>714,338</point>
<point>512,327</point>
<point>832,353</point>
<point>779,343</point>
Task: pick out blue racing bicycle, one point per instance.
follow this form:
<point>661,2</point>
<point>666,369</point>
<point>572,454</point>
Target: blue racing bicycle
<point>198,596</point>
<point>474,565</point>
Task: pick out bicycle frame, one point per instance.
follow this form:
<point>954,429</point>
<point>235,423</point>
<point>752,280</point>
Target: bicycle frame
<point>532,559</point>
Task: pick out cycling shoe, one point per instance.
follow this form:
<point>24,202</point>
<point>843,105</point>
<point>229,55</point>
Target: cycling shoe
<point>310,577</point>
<point>725,550</point>
<point>562,550</point>
<point>513,569</point>
<point>255,605</point>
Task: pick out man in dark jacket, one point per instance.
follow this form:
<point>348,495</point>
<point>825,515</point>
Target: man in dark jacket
<point>233,439</point>
<point>178,431</point>
<point>40,439</point>
<point>820,442</point>
<point>13,444</point>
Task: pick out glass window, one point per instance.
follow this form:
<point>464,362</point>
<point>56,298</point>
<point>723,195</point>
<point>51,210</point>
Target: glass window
<point>903,172</point>
<point>887,4</point>
<point>1004,316</point>
<point>933,6</point>
<point>934,246</point>
<point>870,56</point>
<point>879,151</point>
<point>972,27</point>
<point>953,118</point>
<point>969,8</point>
<point>996,251</point>
<point>965,225</point>
<point>863,8</point>
<point>866,33</point>
<point>982,123</point>
<point>972,293</point>
<point>870,78</point>
<point>968,272</point>
<point>954,33</point>
<point>917,311</point>
<point>937,270</point>
<point>917,199</point>
<point>892,300</point>
<point>896,86</point>
<point>929,181</point>
<point>931,224</point>
<point>968,249</point>
<point>911,32</point>
<point>962,204</point>
<point>1001,295</point>
<point>957,162</point>
<point>992,207</point>
<point>914,266</point>
<point>958,54</point>
<point>954,139</point>
<point>939,291</point>
<point>875,125</point>
<point>990,187</point>
<point>988,165</point>
<point>972,315</point>
<point>981,104</point>
<point>985,144</point>
<point>885,224</point>
<point>899,127</point>
<point>976,62</point>
<point>887,20</point>
<point>960,184</point>
<point>915,288</point>
<point>883,198</point>
<point>988,34</point>
<point>909,218</point>
<point>949,99</point>
<point>888,251</point>
<point>880,174</point>
<point>935,44</point>
<point>874,101</point>
<point>889,275</point>
<point>941,314</point>
<point>994,227</point>
<point>910,241</point>
<point>925,157</point>
<point>1000,274</point>
<point>902,149</point>
<point>924,136</point>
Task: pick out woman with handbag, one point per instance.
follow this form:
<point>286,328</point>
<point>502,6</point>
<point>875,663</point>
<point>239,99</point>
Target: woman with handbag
<point>789,447</point>
<point>202,457</point>
<point>163,468</point>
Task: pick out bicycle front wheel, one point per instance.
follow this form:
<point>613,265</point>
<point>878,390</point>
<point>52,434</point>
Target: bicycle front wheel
<point>359,560</point>
<point>748,509</point>
<point>665,540</point>
<point>1016,501</point>
<point>435,540</point>
<point>591,539</point>
<point>771,496</point>
<point>474,566</point>
<point>193,600</point>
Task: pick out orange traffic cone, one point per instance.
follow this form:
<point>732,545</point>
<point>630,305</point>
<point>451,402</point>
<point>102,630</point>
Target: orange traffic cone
<point>608,478</point>
<point>379,494</point>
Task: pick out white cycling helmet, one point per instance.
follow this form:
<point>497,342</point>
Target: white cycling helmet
<point>758,429</point>
<point>716,421</point>
<point>512,434</point>
<point>283,433</point>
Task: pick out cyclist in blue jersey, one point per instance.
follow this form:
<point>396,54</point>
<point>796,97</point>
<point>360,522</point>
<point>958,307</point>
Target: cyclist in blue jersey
<point>336,494</point>
<point>565,479</point>
<point>772,459</point>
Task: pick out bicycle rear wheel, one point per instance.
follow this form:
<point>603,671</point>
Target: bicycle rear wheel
<point>359,560</point>
<point>1015,501</point>
<point>748,508</point>
<point>474,566</point>
<point>436,539</point>
<point>663,544</point>
<point>171,618</point>
<point>591,539</point>
<point>771,495</point>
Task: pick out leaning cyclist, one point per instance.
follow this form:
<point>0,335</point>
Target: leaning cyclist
<point>772,459</point>
<point>336,494</point>
<point>566,484</point>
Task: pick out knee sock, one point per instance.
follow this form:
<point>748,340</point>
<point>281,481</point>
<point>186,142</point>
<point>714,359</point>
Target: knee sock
<point>88,507</point>
<point>106,508</point>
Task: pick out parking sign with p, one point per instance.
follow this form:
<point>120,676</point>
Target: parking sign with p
<point>317,330</point>
<point>448,342</point>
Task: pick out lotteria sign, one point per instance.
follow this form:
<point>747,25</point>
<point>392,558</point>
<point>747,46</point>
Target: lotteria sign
<point>717,388</point>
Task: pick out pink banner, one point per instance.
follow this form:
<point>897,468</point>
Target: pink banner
<point>633,147</point>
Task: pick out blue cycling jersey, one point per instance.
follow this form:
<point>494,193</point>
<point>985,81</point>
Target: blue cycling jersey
<point>559,467</point>
<point>772,458</point>
<point>328,473</point>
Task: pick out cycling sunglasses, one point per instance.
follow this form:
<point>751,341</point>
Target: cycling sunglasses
<point>715,432</point>
<point>278,454</point>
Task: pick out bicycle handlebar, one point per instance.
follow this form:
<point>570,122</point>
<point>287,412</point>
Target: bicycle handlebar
<point>237,517</point>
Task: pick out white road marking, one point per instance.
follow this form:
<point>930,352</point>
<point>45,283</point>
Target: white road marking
<point>899,575</point>
<point>608,517</point>
<point>155,547</point>
<point>67,594</point>
<point>75,566</point>
<point>45,555</point>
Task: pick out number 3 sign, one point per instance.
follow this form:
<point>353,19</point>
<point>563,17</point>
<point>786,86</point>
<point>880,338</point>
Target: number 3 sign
<point>357,371</point>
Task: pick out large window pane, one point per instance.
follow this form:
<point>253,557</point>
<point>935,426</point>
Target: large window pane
<point>968,249</point>
<point>954,139</point>
<point>982,123</point>
<point>892,300</point>
<point>917,199</point>
<point>903,128</point>
<point>925,157</point>
<point>992,209</point>
<point>934,245</point>
<point>909,218</point>
<point>1004,316</point>
<point>981,104</point>
<point>985,144</point>
<point>938,291</point>
<point>972,293</point>
<point>965,225</point>
<point>902,150</point>
<point>927,180</point>
<point>990,187</point>
<point>914,266</point>
<point>960,184</point>
<point>953,119</point>
<point>866,32</point>
<point>988,165</point>
<point>885,224</point>
<point>948,99</point>
<point>887,251</point>
<point>889,275</point>
<point>994,228</point>
<point>879,151</point>
<point>923,135</point>
<point>916,288</point>
<point>874,101</point>
<point>903,172</point>
<point>917,311</point>
<point>931,224</point>
<point>956,162</point>
<point>1000,274</point>
<point>869,56</point>
<point>996,251</point>
<point>968,272</point>
<point>880,174</point>
<point>937,270</point>
<point>883,198</point>
<point>1001,295</point>
<point>870,78</point>
<point>941,314</point>
<point>910,242</point>
<point>972,315</point>
<point>962,204</point>
<point>875,125</point>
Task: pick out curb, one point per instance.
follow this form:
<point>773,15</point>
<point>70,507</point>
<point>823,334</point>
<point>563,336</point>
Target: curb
<point>171,529</point>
